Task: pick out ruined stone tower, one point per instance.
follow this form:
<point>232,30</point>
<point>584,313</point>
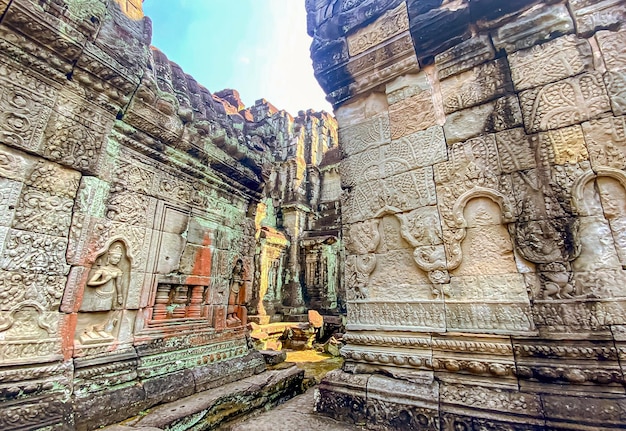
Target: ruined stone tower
<point>483,165</point>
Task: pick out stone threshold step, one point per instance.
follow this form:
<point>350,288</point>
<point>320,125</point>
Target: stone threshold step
<point>207,410</point>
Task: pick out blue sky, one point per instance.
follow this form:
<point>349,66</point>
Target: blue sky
<point>258,47</point>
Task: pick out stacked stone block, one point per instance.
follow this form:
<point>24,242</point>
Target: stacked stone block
<point>128,237</point>
<point>485,189</point>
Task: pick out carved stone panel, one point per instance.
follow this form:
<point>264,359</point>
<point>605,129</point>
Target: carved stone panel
<point>564,103</point>
<point>563,146</point>
<point>501,114</point>
<point>606,141</point>
<point>9,195</point>
<point>390,24</point>
<point>104,296</point>
<point>422,316</point>
<point>487,247</point>
<point>540,24</point>
<point>616,87</point>
<point>516,150</point>
<point>464,56</point>
<point>420,149</point>
<point>26,104</point>
<point>41,212</point>
<point>482,83</point>
<point>412,114</point>
<point>550,62</point>
<point>370,133</point>
<point>613,48</point>
<point>33,252</point>
<point>592,15</point>
<point>75,134</point>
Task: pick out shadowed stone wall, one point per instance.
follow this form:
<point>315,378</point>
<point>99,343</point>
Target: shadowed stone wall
<point>130,239</point>
<point>483,168</point>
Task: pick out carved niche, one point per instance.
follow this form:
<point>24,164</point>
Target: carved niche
<point>104,296</point>
<point>599,200</point>
<point>237,313</point>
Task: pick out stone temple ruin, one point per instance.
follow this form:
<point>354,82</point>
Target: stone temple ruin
<point>466,209</point>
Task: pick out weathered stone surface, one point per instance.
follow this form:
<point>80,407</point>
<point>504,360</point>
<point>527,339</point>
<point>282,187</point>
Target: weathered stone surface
<point>355,14</point>
<point>127,241</point>
<point>437,29</point>
<point>241,397</point>
<point>516,150</point>
<point>612,47</point>
<point>550,62</point>
<point>564,103</point>
<point>590,16</point>
<point>491,10</point>
<point>564,146</point>
<point>476,86</point>
<point>540,25</point>
<point>605,142</point>
<point>298,413</point>
<point>273,357</point>
<point>464,56</point>
<point>501,114</point>
<point>616,87</point>
<point>412,114</point>
<point>368,134</point>
<point>401,155</point>
<point>388,25</point>
<point>519,260</point>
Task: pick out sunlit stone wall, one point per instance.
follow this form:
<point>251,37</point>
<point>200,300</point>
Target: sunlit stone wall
<point>485,201</point>
<point>128,196</point>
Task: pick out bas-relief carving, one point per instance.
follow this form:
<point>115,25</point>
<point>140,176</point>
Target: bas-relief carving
<point>236,313</point>
<point>418,150</point>
<point>9,194</point>
<point>464,56</point>
<point>550,62</point>
<point>563,146</point>
<point>35,253</point>
<point>26,105</point>
<point>16,287</point>
<point>104,296</point>
<point>390,24</point>
<point>591,15</point>
<point>423,315</point>
<point>613,49</point>
<point>403,192</point>
<point>413,114</point>
<point>367,134</point>
<point>362,239</point>
<point>41,212</point>
<point>564,103</point>
<point>599,200</point>
<point>517,194</point>
<point>76,140</point>
<point>482,83</point>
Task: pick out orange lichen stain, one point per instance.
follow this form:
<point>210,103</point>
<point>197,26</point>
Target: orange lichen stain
<point>202,261</point>
<point>67,330</point>
<point>80,293</point>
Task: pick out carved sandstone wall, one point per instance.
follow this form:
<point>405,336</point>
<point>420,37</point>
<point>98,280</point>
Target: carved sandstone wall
<point>484,170</point>
<point>128,195</point>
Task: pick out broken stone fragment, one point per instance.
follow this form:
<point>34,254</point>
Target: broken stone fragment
<point>273,357</point>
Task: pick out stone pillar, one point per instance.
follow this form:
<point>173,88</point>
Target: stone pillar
<point>131,8</point>
<point>484,194</point>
